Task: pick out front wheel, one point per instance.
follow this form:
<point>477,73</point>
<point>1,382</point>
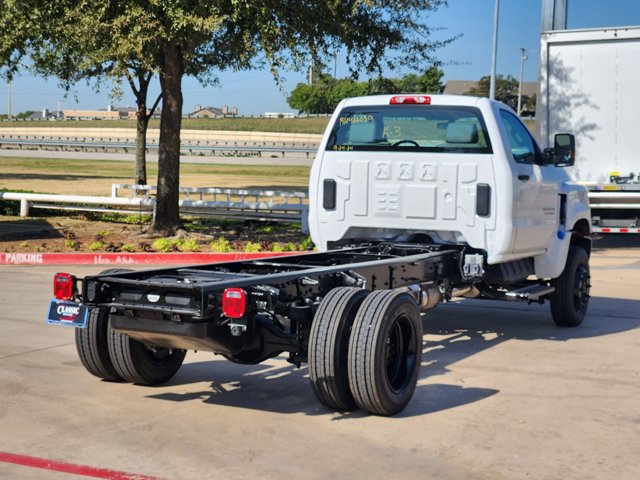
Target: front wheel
<point>570,299</point>
<point>142,364</point>
<point>385,352</point>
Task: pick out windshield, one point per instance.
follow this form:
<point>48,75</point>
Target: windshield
<point>410,127</point>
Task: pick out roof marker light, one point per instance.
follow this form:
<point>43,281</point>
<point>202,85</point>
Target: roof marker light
<point>234,302</point>
<point>410,100</point>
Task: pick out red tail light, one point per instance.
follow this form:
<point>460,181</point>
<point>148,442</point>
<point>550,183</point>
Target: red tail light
<point>234,302</point>
<point>410,99</point>
<point>63,286</point>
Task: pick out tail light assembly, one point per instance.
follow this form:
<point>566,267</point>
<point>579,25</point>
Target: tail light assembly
<point>63,286</point>
<point>234,302</point>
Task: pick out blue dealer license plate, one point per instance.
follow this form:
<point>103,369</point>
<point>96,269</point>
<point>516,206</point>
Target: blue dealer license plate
<point>70,314</point>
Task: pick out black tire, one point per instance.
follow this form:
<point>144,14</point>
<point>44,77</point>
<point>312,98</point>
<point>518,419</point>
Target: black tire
<point>138,363</point>
<point>329,347</point>
<point>570,299</point>
<point>385,352</point>
<point>93,348</point>
<point>92,344</point>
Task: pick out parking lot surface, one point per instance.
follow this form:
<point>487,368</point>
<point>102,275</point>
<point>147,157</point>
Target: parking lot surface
<point>503,394</point>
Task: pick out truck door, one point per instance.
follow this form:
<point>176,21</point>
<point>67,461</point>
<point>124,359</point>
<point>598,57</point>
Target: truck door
<point>535,194</point>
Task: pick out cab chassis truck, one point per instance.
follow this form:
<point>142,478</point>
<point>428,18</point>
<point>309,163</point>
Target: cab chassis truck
<point>415,200</point>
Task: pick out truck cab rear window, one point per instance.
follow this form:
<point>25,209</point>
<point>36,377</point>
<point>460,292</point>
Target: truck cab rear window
<point>410,128</point>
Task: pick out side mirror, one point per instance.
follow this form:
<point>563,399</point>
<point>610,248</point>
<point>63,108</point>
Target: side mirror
<point>564,150</point>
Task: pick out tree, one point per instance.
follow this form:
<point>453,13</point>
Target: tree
<point>429,82</point>
<point>199,38</point>
<point>86,43</point>
<point>506,89</point>
<point>324,96</point>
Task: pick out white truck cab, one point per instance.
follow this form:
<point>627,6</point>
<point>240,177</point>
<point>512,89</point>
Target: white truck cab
<point>449,169</point>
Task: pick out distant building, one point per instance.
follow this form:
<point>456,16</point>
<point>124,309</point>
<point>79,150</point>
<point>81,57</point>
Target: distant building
<point>212,112</point>
<point>45,114</point>
<point>111,113</point>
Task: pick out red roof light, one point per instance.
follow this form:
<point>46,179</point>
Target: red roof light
<point>410,100</point>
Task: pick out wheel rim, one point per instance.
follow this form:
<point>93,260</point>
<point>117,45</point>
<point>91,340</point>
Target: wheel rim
<point>400,354</point>
<point>159,356</point>
<point>581,289</point>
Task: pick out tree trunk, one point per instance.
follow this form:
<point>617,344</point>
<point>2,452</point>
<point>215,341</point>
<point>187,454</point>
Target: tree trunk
<point>142,122</point>
<point>167,214</point>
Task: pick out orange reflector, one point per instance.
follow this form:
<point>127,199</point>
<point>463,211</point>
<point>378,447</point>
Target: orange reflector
<point>234,302</point>
<point>410,100</point>
<point>63,286</point>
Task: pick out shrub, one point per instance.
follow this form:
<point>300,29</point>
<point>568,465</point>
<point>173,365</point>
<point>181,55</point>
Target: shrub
<point>71,244</point>
<point>127,247</point>
<point>307,244</point>
<point>162,245</point>
<point>251,247</point>
<point>95,246</point>
<point>221,245</point>
<point>189,245</point>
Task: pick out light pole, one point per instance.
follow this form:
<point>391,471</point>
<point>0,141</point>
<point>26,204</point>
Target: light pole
<point>492,83</point>
<point>9,109</point>
<point>523,58</point>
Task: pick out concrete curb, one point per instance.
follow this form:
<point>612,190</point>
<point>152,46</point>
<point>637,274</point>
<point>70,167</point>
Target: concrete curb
<point>130,258</point>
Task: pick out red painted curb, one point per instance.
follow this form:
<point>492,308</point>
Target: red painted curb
<point>71,468</point>
<point>129,258</point>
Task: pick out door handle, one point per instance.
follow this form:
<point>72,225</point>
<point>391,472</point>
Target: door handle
<point>523,178</point>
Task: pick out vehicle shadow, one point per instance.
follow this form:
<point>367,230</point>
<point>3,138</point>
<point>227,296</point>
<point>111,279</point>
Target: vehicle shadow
<point>453,332</point>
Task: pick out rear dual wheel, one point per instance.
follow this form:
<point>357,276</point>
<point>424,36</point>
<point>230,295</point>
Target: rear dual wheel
<point>385,352</point>
<point>365,350</point>
<point>143,364</point>
<point>113,356</point>
<point>329,347</point>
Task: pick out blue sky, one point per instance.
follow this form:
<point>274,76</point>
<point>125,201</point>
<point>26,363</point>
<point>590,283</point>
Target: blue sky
<point>468,58</point>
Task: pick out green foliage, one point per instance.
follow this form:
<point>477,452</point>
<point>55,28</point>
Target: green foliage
<point>127,247</point>
<point>26,114</point>
<point>188,245</point>
<point>506,90</point>
<point>324,96</point>
<point>132,41</point>
<point>251,247</point>
<point>71,244</point>
<point>307,244</point>
<point>221,245</point>
<point>162,245</point>
<point>95,246</point>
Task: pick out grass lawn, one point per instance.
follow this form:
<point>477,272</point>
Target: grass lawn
<point>243,124</point>
<point>91,177</point>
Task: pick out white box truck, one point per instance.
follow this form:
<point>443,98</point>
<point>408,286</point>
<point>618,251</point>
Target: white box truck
<point>590,86</point>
